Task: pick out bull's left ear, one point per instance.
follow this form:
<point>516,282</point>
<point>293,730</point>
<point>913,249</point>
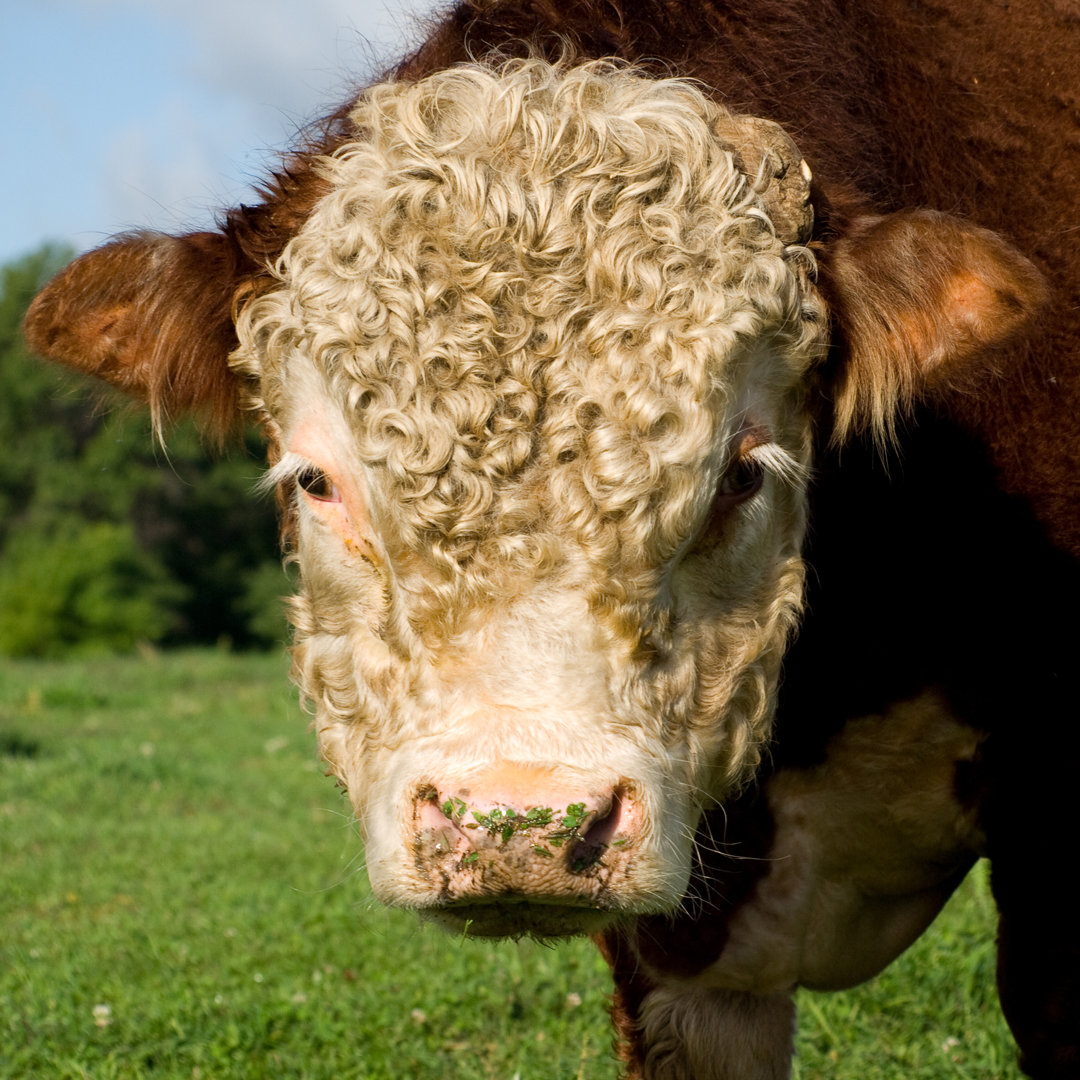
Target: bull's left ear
<point>921,303</point>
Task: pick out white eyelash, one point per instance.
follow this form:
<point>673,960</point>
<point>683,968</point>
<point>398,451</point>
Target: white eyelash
<point>773,457</point>
<point>782,464</point>
<point>290,466</point>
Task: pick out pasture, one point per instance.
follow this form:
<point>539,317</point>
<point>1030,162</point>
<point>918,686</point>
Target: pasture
<point>183,896</point>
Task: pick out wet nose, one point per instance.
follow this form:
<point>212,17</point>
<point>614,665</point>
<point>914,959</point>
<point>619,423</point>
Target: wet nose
<point>524,831</point>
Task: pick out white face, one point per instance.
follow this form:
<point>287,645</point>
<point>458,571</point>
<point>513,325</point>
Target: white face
<point>534,369</point>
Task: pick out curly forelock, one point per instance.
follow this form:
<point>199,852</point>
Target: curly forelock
<point>531,287</point>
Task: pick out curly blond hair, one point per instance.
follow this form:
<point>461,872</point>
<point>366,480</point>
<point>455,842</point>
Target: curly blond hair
<point>532,268</point>
<point>544,300</point>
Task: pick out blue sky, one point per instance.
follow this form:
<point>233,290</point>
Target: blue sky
<point>123,114</point>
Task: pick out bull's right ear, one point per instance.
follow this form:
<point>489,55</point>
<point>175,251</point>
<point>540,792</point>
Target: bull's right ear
<point>152,315</point>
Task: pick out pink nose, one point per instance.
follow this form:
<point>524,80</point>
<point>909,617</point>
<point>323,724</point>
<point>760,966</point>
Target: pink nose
<point>579,826</point>
<point>516,833</point>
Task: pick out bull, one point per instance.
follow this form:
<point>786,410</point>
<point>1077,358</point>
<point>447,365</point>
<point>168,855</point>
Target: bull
<point>557,353</point>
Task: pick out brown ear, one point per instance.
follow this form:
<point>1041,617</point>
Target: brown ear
<point>152,315</point>
<point>921,303</point>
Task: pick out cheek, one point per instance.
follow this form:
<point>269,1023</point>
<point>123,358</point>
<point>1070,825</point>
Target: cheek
<point>734,590</point>
<point>354,530</point>
<point>340,574</point>
<point>349,675</point>
<point>734,558</point>
<point>348,519</point>
<point>341,500</point>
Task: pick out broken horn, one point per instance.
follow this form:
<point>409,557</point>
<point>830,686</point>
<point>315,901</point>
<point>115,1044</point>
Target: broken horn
<point>777,172</point>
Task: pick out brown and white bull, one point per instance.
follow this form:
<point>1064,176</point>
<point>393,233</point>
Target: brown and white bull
<point>555,358</point>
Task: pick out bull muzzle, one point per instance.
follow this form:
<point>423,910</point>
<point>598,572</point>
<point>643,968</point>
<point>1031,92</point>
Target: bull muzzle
<point>517,850</point>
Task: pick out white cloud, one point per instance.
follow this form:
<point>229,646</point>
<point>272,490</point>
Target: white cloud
<point>168,174</point>
<point>286,54</point>
<point>154,113</point>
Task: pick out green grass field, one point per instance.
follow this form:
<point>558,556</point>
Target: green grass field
<point>182,896</point>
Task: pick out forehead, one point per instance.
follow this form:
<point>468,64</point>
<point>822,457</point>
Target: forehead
<point>521,270</point>
<point>592,214</point>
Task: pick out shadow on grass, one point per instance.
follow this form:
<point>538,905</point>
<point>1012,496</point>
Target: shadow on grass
<point>13,744</point>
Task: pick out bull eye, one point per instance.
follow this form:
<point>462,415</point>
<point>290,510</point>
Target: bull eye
<point>317,484</point>
<point>742,480</point>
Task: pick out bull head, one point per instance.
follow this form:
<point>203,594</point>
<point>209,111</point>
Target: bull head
<point>538,366</point>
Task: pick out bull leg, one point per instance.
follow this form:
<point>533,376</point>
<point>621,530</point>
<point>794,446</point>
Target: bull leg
<point>1039,970</point>
<point>689,1033</point>
<point>1030,820</point>
<point>681,1032</point>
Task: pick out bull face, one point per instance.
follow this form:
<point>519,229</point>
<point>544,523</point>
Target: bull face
<point>534,372</point>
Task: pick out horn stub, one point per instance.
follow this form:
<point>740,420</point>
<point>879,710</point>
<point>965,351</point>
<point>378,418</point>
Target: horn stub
<point>777,172</point>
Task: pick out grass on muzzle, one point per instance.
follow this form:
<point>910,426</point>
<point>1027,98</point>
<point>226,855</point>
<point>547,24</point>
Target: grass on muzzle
<point>182,896</point>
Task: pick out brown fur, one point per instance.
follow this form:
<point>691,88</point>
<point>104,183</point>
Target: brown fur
<point>919,300</point>
<point>153,314</point>
<point>161,343</point>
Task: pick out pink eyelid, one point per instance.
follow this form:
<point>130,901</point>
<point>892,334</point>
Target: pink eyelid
<point>345,510</point>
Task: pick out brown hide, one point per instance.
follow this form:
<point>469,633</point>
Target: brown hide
<point>969,109</point>
<point>922,304</point>
<point>153,314</point>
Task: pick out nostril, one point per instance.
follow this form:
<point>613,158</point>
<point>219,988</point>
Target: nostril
<point>598,835</point>
<point>602,830</point>
<point>432,823</point>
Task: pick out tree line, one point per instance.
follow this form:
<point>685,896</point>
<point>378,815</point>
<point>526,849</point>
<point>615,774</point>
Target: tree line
<point>108,538</point>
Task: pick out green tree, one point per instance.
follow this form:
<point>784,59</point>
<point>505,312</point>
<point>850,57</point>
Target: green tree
<point>106,537</point>
<point>88,589</point>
